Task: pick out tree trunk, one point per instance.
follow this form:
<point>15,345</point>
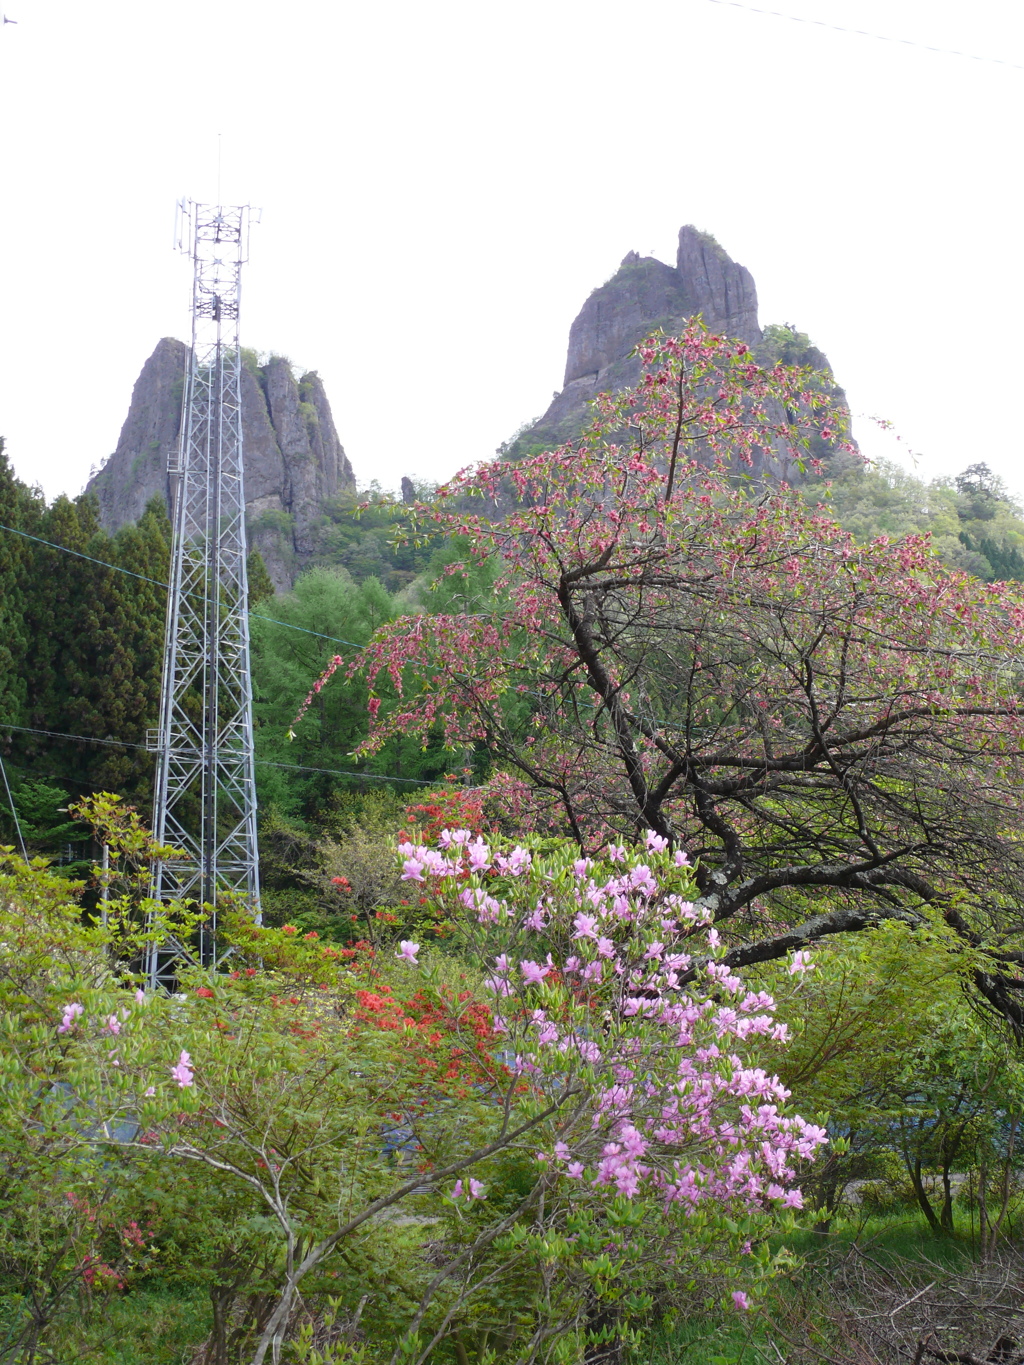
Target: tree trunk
<point>603,1324</point>
<point>914,1171</point>
<point>946,1218</point>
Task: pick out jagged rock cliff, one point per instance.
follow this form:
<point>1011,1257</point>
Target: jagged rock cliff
<point>643,295</point>
<point>293,459</point>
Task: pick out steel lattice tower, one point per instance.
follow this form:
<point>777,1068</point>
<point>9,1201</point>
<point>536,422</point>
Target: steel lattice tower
<point>205,801</point>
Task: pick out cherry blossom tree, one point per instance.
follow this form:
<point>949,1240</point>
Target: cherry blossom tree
<point>683,643</point>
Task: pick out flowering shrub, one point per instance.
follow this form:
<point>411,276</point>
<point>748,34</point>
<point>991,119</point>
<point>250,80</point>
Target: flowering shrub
<point>603,970</point>
<point>576,1107</point>
<point>446,808</point>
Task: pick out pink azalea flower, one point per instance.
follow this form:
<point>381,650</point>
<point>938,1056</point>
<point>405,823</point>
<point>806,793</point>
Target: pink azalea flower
<point>740,1300</point>
<point>472,1190</point>
<point>182,1073</point>
<point>479,856</point>
<point>408,951</point>
<point>71,1013</point>
<point>801,963</point>
<point>533,973</point>
<point>114,1024</point>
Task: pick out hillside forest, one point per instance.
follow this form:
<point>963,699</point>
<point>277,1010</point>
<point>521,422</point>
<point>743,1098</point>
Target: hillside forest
<point>639,971</point>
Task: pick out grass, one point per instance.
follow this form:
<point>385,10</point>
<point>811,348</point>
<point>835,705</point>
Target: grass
<point>900,1235</point>
<point>896,1237</point>
<point>157,1324</point>
<point>706,1340</point>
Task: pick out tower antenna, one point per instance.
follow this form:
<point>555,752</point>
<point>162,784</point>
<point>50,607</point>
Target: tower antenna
<point>205,802</point>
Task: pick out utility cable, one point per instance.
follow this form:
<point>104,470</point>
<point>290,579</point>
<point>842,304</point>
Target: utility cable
<point>865,33</point>
<point>14,812</point>
<point>265,762</point>
<point>117,568</point>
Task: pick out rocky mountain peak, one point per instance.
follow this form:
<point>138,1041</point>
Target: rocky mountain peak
<point>643,295</point>
<point>293,459</point>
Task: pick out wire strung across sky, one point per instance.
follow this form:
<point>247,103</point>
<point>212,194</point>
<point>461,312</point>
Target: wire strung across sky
<point>865,33</point>
<point>80,554</point>
<point>266,762</point>
<point>124,744</point>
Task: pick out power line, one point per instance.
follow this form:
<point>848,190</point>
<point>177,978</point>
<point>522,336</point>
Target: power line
<point>14,812</point>
<point>59,734</point>
<point>342,772</point>
<point>117,568</point>
<point>124,744</point>
<point>265,762</point>
<point>865,33</point>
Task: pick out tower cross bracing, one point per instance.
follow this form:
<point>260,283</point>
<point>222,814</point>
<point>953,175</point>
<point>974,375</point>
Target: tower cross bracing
<point>205,801</point>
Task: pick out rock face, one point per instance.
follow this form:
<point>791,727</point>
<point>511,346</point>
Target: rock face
<point>642,295</point>
<point>292,456</point>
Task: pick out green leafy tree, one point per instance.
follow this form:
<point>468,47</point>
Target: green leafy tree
<point>324,603</point>
<point>887,1045</point>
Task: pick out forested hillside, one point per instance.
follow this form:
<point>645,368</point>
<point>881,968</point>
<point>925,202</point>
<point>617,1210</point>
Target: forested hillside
<point>974,522</point>
<point>81,634</point>
<point>81,640</point>
<point>555,1058</point>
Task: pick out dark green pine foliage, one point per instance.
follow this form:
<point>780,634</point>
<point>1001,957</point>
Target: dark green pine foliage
<point>260,586</point>
<point>95,641</point>
<point>21,509</point>
<point>124,699</point>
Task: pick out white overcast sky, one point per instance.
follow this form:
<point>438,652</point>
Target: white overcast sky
<point>442,185</point>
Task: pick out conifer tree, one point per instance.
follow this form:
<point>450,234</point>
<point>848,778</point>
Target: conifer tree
<point>19,509</point>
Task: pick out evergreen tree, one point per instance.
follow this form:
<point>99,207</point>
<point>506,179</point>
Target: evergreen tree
<point>20,509</point>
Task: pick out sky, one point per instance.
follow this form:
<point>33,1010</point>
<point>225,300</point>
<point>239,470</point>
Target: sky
<point>443,184</point>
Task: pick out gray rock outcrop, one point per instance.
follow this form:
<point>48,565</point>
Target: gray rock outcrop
<point>294,461</point>
<point>643,295</point>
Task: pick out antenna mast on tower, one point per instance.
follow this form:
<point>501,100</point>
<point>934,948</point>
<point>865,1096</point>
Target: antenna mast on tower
<point>205,803</point>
